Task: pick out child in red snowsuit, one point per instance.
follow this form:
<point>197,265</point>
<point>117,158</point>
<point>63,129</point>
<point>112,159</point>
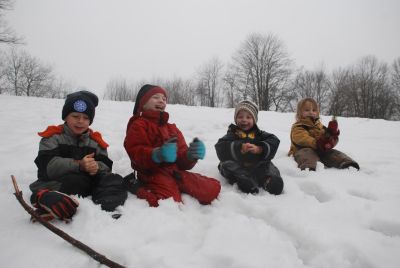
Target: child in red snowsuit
<point>159,153</point>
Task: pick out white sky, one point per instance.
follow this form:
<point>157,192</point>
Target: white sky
<point>91,41</point>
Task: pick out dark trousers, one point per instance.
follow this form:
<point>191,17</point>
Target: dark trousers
<point>308,158</point>
<point>106,190</point>
<point>249,179</point>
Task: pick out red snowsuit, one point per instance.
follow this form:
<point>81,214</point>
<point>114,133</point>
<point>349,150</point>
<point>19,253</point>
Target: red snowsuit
<point>150,130</point>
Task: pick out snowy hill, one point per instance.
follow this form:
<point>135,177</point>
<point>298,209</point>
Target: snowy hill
<point>328,218</point>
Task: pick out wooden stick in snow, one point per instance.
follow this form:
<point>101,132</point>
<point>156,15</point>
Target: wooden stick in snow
<point>95,255</point>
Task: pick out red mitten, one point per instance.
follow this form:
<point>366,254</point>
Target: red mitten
<point>325,143</point>
<point>333,141</point>
<point>57,204</point>
<point>333,128</point>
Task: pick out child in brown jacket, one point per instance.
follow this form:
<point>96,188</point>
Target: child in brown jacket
<point>311,141</point>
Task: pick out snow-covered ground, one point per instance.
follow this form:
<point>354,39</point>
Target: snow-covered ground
<point>328,218</point>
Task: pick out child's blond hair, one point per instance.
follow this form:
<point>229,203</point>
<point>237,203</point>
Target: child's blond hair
<point>302,103</point>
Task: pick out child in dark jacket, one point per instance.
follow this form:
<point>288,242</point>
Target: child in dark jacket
<point>73,160</point>
<point>159,153</point>
<point>312,142</point>
<point>246,152</point>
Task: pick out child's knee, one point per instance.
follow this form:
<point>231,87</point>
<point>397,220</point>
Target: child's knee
<point>79,184</point>
<point>204,189</point>
<point>110,192</point>
<point>306,158</point>
<point>165,186</point>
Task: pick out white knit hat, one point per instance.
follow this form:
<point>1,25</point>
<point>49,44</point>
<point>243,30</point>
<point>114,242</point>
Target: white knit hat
<point>248,106</point>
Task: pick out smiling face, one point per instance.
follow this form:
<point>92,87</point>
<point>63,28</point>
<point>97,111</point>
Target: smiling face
<point>157,102</point>
<point>244,120</point>
<point>309,110</point>
<point>77,122</point>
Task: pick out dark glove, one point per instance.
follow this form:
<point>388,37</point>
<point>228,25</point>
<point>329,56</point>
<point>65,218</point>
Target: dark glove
<point>333,128</point>
<point>196,150</point>
<point>59,205</point>
<point>165,153</point>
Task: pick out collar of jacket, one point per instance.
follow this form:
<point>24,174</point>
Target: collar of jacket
<point>157,117</point>
<point>251,133</point>
<point>309,121</point>
<point>53,130</point>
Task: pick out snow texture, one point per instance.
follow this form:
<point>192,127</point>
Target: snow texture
<point>328,218</point>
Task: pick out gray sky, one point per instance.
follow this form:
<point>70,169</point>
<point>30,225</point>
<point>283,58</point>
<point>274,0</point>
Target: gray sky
<point>88,42</point>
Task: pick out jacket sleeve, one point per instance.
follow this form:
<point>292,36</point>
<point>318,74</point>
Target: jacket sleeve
<point>228,148</point>
<point>270,143</point>
<point>104,163</point>
<point>49,162</point>
<point>301,138</point>
<point>138,145</point>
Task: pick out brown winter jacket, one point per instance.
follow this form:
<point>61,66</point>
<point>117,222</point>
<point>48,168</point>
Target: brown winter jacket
<point>304,134</point>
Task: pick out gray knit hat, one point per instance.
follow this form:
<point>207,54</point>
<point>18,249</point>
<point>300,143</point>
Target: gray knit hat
<point>249,106</point>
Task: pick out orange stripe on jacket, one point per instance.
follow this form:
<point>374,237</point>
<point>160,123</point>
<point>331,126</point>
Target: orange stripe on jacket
<point>56,130</point>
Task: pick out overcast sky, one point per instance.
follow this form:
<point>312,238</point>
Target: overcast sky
<point>88,42</point>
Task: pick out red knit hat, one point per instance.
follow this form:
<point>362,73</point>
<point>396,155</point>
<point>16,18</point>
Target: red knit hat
<point>144,95</point>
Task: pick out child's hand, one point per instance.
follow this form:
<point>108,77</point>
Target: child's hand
<point>326,143</point>
<point>254,149</point>
<point>89,165</point>
<point>244,148</point>
<point>166,153</point>
<point>196,150</point>
<point>251,148</point>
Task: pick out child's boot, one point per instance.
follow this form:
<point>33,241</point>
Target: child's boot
<point>246,184</point>
<point>349,163</point>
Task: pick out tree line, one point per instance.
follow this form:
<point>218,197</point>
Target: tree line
<point>259,70</point>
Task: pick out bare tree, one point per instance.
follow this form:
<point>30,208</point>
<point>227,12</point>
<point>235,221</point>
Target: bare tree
<point>2,73</point>
<point>371,84</point>
<point>395,83</point>
<point>59,89</point>
<point>396,74</point>
<point>7,35</point>
<point>210,82</point>
<point>180,91</point>
<point>13,71</point>
<point>37,78</point>
<point>340,92</point>
<point>264,69</point>
<point>313,84</point>
<point>26,75</point>
<point>117,89</point>
<point>363,90</point>
<point>231,86</point>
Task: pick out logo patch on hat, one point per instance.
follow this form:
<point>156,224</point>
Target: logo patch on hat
<point>80,106</point>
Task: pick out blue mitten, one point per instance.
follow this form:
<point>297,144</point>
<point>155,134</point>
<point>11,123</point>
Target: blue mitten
<point>165,153</point>
<point>196,150</point>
